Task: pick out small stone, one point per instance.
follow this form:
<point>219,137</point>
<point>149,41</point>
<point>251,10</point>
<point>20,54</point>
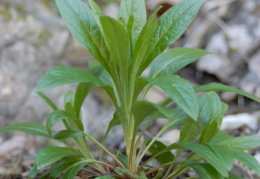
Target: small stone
<point>228,96</point>
<point>257,157</point>
<point>111,10</point>
<point>233,122</point>
<point>155,95</point>
<point>170,137</point>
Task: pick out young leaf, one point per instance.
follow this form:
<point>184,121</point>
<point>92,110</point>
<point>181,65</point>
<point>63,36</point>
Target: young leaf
<point>174,60</point>
<point>142,43</point>
<point>82,25</point>
<point>190,130</point>
<point>29,128</point>
<point>47,100</point>
<point>61,75</point>
<point>207,153</point>
<point>33,171</point>
<point>219,137</point>
<point>241,143</point>
<point>170,27</point>
<point>135,10</point>
<point>55,116</point>
<point>117,40</point>
<point>221,87</point>
<point>180,91</point>
<point>51,154</point>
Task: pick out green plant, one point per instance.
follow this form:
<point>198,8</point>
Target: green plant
<point>124,48</point>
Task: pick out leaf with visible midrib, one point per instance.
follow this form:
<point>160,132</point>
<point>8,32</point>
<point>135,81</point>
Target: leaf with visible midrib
<point>135,9</point>
<point>84,28</point>
<point>61,75</point>
<point>180,91</point>
<point>28,127</point>
<point>170,27</point>
<point>174,60</point>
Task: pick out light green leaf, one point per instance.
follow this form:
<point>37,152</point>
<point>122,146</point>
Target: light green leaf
<point>33,171</point>
<point>190,130</point>
<point>65,134</point>
<point>47,100</point>
<point>224,155</point>
<point>136,10</point>
<point>231,176</point>
<point>117,40</point>
<point>174,60</point>
<point>241,143</point>
<point>29,128</point>
<point>51,154</point>
<point>221,87</point>
<point>84,28</point>
<point>180,91</point>
<point>105,177</point>
<point>170,27</point>
<point>247,159</point>
<point>142,43</point>
<point>219,137</point>
<point>83,90</point>
<point>55,116</point>
<point>207,153</point>
<point>61,75</point>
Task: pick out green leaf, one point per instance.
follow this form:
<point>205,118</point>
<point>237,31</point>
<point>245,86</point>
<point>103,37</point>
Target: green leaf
<point>204,170</point>
<point>65,164</point>
<point>190,130</point>
<point>207,153</point>
<point>223,155</point>
<point>170,27</point>
<point>157,147</point>
<point>29,128</point>
<point>83,90</point>
<point>65,134</point>
<point>84,28</point>
<point>174,60</point>
<point>55,116</point>
<point>61,75</point>
<point>142,43</point>
<point>51,154</point>
<point>94,6</point>
<point>221,87</point>
<point>123,159</point>
<point>136,10</point>
<point>117,40</point>
<point>247,159</point>
<point>241,143</point>
<point>73,171</point>
<point>219,137</point>
<point>47,100</point>
<point>141,109</point>
<point>176,120</point>
<point>180,91</point>
<point>124,171</point>
<point>33,171</point>
<point>231,176</point>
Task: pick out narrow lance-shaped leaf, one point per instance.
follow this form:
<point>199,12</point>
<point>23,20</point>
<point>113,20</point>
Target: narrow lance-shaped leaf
<point>61,75</point>
<point>142,43</point>
<point>221,87</point>
<point>206,153</point>
<point>174,60</point>
<point>117,40</point>
<point>51,154</point>
<point>84,28</point>
<point>241,143</point>
<point>29,128</point>
<point>47,100</point>
<point>180,91</point>
<point>170,27</point>
<point>135,9</point>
